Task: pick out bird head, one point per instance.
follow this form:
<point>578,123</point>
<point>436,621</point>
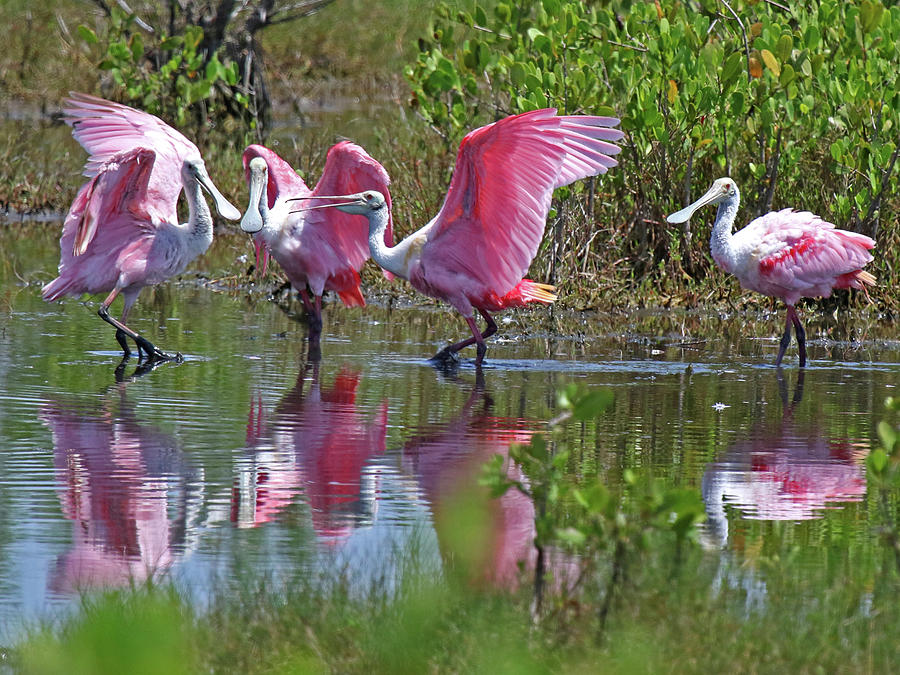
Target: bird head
<point>258,177</point>
<point>722,189</point>
<point>195,169</point>
<point>361,203</point>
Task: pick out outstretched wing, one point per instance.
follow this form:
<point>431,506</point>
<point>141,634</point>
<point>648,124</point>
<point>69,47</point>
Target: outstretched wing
<point>493,218</point>
<point>798,251</point>
<point>103,219</point>
<point>110,195</point>
<point>349,169</point>
<point>104,129</point>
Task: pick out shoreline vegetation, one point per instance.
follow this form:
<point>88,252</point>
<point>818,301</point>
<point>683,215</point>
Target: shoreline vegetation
<point>409,103</point>
<point>798,104</point>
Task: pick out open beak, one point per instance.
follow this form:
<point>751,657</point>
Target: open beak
<point>225,208</point>
<point>252,220</point>
<point>684,215</point>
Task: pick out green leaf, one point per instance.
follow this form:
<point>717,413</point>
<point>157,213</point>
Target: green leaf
<point>771,62</point>
<point>732,68</point>
<point>137,47</point>
<point>787,75</point>
<point>87,34</point>
<point>877,461</point>
<point>571,536</point>
<point>591,405</point>
<point>784,47</point>
<point>888,435</point>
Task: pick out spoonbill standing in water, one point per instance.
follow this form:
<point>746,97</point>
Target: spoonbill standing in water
<point>784,254</point>
<point>317,250</point>
<point>474,253</point>
<point>122,231</point>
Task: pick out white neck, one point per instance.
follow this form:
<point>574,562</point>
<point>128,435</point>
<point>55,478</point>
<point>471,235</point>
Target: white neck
<point>720,242</point>
<point>392,259</point>
<point>271,224</point>
<point>200,222</point>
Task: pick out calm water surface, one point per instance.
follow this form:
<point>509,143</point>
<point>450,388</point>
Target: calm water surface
<point>252,455</point>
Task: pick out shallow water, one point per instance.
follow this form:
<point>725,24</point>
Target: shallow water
<point>251,455</point>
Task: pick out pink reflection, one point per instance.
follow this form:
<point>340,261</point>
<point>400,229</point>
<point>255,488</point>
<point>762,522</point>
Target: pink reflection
<point>447,460</point>
<point>112,475</point>
<point>793,471</point>
<point>317,443</point>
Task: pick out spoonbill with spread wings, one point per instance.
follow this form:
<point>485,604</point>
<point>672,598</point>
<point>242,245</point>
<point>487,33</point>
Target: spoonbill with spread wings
<point>474,253</point>
<point>122,231</point>
<point>318,250</point>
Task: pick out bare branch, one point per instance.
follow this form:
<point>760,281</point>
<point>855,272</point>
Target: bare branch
<point>138,20</point>
<point>744,34</point>
<point>297,11</point>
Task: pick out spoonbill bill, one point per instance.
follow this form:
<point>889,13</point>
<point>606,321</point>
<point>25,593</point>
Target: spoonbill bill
<point>122,231</point>
<point>477,249</point>
<point>318,250</point>
<point>784,254</point>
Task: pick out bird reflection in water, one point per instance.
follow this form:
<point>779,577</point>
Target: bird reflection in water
<point>318,442</point>
<point>491,538</point>
<point>117,477</point>
<point>793,471</point>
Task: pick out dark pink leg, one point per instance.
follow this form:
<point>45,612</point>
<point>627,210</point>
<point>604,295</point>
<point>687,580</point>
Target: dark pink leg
<point>313,311</point>
<point>477,337</point>
<point>785,339</point>
<point>801,334</point>
<point>123,331</point>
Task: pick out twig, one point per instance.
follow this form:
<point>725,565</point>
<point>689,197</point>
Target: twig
<point>744,35</point>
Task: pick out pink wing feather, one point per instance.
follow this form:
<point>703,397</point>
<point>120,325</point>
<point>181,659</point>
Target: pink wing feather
<point>105,129</point>
<point>106,198</point>
<point>493,218</point>
<point>805,256</point>
<point>349,169</point>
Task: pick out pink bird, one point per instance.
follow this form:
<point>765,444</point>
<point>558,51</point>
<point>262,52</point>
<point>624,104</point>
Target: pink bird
<point>317,250</point>
<point>474,253</point>
<point>784,254</point>
<point>122,231</point>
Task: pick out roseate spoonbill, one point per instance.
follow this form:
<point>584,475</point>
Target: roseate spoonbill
<point>474,253</point>
<point>784,254</point>
<point>319,250</point>
<point>122,231</point>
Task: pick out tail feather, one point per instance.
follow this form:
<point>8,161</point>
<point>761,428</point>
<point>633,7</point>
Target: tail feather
<point>525,292</point>
<point>346,285</point>
<point>352,297</point>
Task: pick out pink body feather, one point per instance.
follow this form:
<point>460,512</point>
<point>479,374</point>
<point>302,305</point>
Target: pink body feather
<point>488,231</point>
<point>320,249</point>
<point>122,231</point>
<point>795,254</point>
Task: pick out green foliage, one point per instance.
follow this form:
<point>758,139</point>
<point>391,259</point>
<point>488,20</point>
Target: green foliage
<point>172,76</point>
<point>585,516</point>
<point>802,99</point>
<point>120,632</point>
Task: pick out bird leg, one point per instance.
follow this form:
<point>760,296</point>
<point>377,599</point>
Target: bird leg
<point>801,334</point>
<point>313,311</point>
<point>478,337</point>
<point>122,331</point>
<point>785,339</point>
<point>123,342</point>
